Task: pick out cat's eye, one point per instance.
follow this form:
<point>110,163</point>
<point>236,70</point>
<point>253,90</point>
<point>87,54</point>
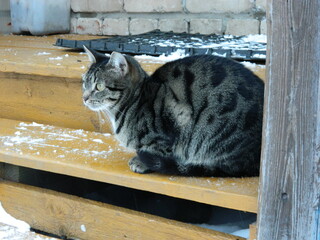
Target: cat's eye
<point>100,86</point>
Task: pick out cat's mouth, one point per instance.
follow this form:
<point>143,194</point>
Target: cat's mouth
<point>96,105</point>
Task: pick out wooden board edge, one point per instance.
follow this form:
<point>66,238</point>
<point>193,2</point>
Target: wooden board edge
<point>75,217</point>
<point>216,198</point>
<point>253,231</point>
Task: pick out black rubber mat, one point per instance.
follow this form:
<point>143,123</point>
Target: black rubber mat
<point>158,43</point>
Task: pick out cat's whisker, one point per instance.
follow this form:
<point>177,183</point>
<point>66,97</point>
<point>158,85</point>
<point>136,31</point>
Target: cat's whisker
<point>106,114</point>
<point>100,120</point>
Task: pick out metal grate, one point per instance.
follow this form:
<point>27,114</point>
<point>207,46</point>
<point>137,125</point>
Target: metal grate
<point>158,43</point>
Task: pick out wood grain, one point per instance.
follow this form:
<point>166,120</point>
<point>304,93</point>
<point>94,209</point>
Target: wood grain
<point>253,231</point>
<point>50,100</point>
<point>289,203</point>
<point>75,217</point>
<point>98,157</point>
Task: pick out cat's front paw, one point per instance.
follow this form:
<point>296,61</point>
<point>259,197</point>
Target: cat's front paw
<point>137,166</point>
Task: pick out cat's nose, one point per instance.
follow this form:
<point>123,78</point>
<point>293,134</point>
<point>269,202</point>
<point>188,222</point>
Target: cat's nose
<point>85,98</point>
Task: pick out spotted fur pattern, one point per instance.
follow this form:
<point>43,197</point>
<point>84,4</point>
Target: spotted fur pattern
<point>199,115</point>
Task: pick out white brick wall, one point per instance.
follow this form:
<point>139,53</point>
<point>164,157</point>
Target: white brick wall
<point>123,17</point>
<point>243,26</point>
<point>88,26</point>
<point>219,6</point>
<point>113,26</point>
<point>206,26</point>
<point>96,5</point>
<point>4,5</point>
<point>153,5</point>
<point>5,19</point>
<point>263,27</point>
<point>261,4</point>
<point>142,25</point>
<point>175,25</point>
<point>5,22</point>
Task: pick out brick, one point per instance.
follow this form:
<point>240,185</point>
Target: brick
<point>263,27</point>
<point>96,5</point>
<point>261,5</point>
<point>142,25</point>
<point>219,6</point>
<point>206,26</point>
<point>243,26</point>
<point>5,5</point>
<point>73,25</point>
<point>153,6</point>
<point>175,25</point>
<point>115,26</point>
<point>5,22</point>
<point>88,26</point>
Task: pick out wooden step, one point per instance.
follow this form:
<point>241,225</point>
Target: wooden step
<point>98,157</point>
<point>42,83</point>
<point>78,218</point>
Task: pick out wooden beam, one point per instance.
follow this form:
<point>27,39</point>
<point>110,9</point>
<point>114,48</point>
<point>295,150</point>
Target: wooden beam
<point>98,157</point>
<point>75,217</point>
<point>253,231</point>
<point>50,100</point>
<point>290,173</point>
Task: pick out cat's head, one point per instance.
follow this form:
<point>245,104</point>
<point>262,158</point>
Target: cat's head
<point>107,80</point>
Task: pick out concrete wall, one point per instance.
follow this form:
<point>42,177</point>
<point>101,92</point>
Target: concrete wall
<point>123,17</point>
<point>5,20</point>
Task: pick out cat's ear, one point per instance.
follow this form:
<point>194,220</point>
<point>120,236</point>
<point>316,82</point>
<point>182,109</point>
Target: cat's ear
<point>119,61</point>
<point>93,55</point>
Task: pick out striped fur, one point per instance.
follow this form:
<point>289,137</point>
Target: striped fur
<point>200,115</point>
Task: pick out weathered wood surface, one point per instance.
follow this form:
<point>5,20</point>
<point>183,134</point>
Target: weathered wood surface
<point>290,174</point>
<point>253,231</point>
<point>79,218</point>
<point>98,157</point>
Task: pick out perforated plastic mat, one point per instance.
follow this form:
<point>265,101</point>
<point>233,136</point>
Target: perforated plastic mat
<point>251,47</point>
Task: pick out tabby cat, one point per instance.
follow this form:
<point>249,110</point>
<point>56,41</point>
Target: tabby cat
<point>197,116</point>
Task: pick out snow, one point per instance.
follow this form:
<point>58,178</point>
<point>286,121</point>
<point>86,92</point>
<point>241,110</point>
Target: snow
<point>83,228</point>
<point>163,58</point>
<point>43,53</point>
<point>56,58</point>
<point>230,228</point>
<point>47,141</point>
<point>180,54</point>
<point>257,41</point>
<point>97,140</point>
<point>7,219</point>
<point>262,56</point>
<point>14,229</point>
<point>260,38</point>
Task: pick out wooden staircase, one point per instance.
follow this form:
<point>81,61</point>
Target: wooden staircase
<point>40,120</point>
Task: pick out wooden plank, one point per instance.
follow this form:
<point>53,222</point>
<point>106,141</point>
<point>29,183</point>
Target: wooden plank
<point>289,205</point>
<point>253,231</point>
<point>15,52</point>
<point>40,41</point>
<point>50,100</point>
<point>59,62</point>
<point>98,157</point>
<point>74,217</point>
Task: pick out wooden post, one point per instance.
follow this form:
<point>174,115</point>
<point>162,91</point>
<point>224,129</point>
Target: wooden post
<point>290,183</point>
